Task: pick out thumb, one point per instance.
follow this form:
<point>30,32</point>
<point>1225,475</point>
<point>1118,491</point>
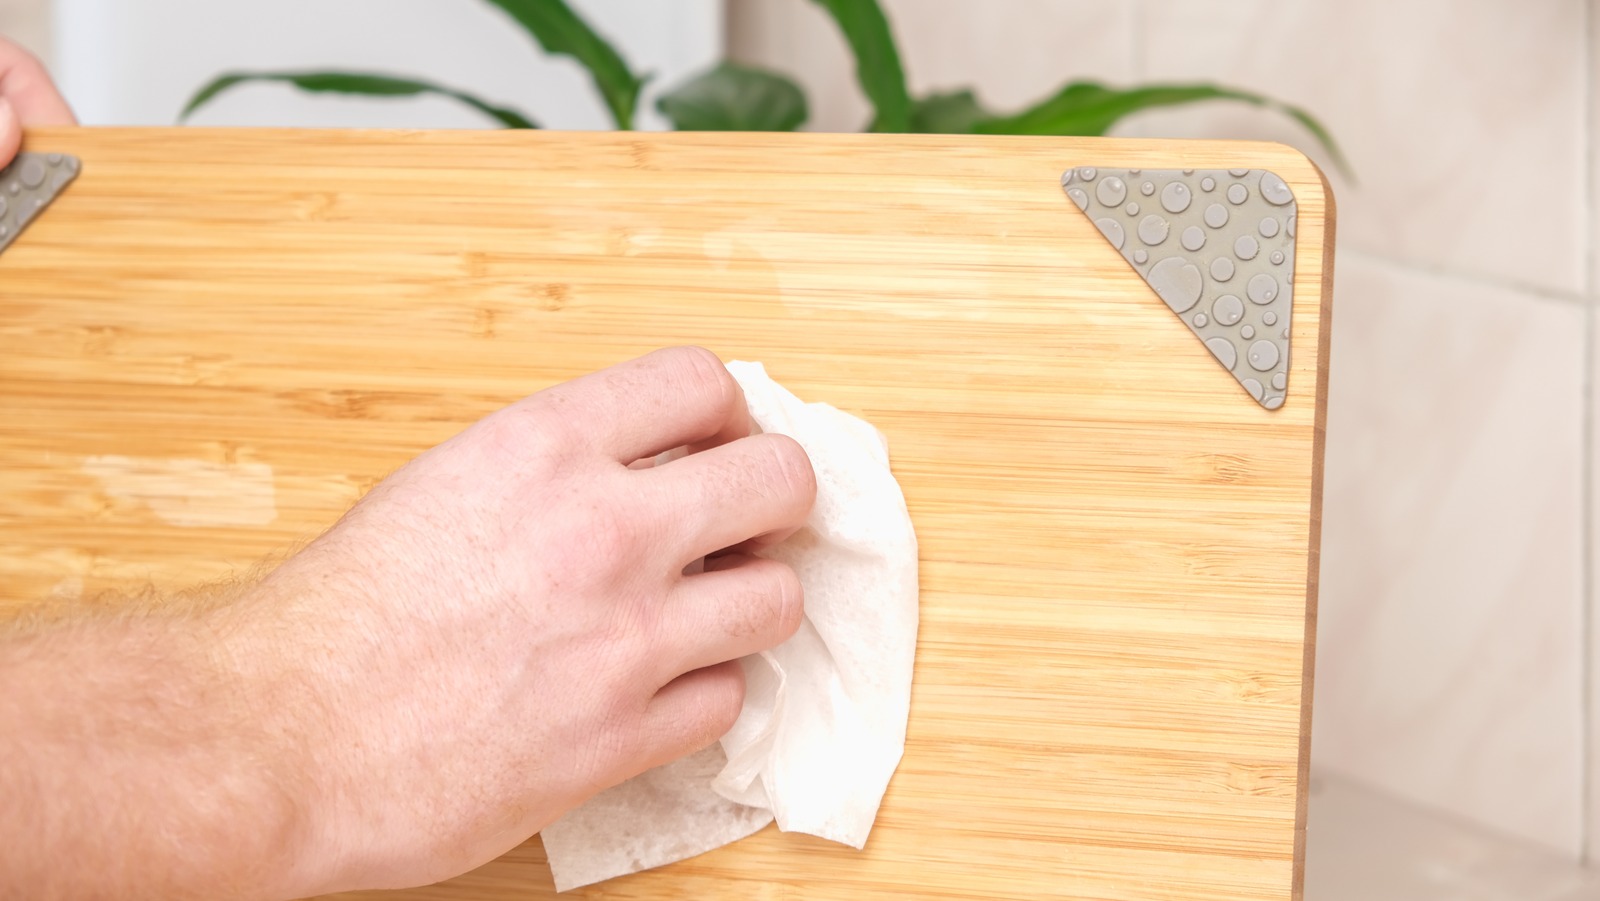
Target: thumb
<point>10,132</point>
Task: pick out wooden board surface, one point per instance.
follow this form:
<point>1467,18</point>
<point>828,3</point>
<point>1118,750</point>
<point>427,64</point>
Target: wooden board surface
<point>216,340</point>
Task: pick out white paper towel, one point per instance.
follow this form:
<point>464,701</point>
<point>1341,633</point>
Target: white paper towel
<point>824,718</point>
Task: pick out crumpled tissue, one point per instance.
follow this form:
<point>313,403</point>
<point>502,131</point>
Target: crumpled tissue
<point>824,718</point>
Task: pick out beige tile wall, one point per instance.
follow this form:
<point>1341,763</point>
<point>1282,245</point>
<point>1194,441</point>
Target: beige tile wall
<point>1592,732</point>
<point>28,23</point>
<point>1363,845</point>
<point>1014,51</point>
<point>1451,658</point>
<point>1441,106</point>
<point>1451,665</point>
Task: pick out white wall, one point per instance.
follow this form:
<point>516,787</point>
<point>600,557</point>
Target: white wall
<point>1451,667</point>
<point>135,62</point>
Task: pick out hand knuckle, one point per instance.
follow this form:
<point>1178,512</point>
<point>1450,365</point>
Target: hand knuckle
<point>703,373</point>
<point>709,710</point>
<point>697,359</point>
<point>788,598</point>
<point>609,533</point>
<point>791,467</point>
<point>771,610</point>
<point>724,700</point>
<point>617,738</point>
<point>532,428</point>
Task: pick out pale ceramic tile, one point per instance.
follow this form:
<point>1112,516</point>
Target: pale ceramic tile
<point>1012,54</point>
<point>1463,120</point>
<point>1592,731</point>
<point>800,41</point>
<point>1364,845</point>
<point>1594,148</point>
<point>1592,725</point>
<point>1449,650</point>
<point>27,22</point>
<point>1588,891</point>
<point>1016,53</point>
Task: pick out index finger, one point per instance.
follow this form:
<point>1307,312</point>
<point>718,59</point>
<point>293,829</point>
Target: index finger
<point>658,402</point>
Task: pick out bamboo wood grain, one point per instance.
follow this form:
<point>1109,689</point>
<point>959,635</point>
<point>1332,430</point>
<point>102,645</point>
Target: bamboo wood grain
<point>216,340</point>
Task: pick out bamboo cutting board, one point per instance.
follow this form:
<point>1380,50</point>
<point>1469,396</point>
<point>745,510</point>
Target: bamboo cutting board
<point>214,341</point>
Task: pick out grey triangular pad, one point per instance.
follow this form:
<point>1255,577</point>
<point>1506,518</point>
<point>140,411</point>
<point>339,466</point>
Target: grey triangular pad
<point>28,185</point>
<point>1218,246</point>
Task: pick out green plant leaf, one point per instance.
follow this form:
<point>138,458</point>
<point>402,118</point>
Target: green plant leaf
<point>1089,108</point>
<point>954,113</point>
<point>878,70</point>
<point>735,98</point>
<point>562,32</point>
<point>361,83</point>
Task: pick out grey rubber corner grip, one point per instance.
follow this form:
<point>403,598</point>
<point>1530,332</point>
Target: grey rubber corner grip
<point>1218,246</point>
<point>28,185</point>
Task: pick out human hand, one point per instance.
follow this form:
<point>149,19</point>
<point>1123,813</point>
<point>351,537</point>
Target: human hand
<point>503,627</point>
<point>27,98</point>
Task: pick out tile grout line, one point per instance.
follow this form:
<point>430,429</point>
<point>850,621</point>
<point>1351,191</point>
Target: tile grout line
<point>1445,819</point>
<point>1449,272</point>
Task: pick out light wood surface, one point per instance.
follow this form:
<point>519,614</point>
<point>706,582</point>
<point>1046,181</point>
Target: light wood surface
<point>216,340</point>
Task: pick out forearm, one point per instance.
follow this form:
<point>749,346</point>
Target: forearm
<point>505,626</point>
<point>140,758</point>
